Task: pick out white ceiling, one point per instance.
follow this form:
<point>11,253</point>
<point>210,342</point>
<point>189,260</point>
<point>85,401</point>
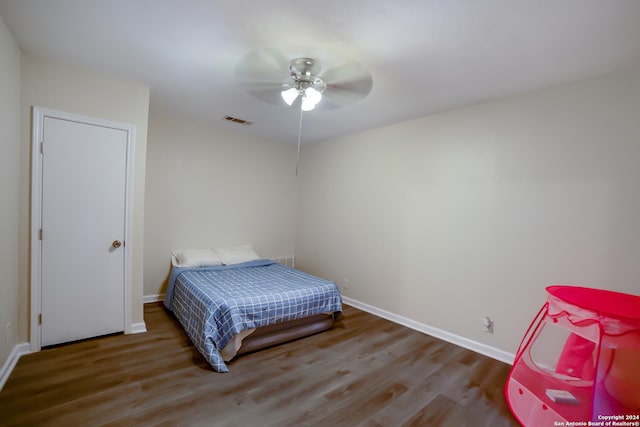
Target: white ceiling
<point>425,56</point>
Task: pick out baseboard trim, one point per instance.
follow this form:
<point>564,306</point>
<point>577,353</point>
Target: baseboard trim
<point>138,328</point>
<point>494,353</point>
<point>146,299</point>
<point>17,351</point>
<point>478,347</point>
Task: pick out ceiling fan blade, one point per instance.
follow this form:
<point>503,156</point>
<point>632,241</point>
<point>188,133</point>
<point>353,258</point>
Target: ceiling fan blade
<point>264,85</point>
<point>265,91</point>
<point>271,96</point>
<point>263,65</point>
<point>263,73</point>
<point>346,92</point>
<point>349,70</point>
<point>347,83</point>
<point>359,87</point>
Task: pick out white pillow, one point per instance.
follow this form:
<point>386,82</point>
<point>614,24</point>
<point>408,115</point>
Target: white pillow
<point>236,254</point>
<point>196,258</point>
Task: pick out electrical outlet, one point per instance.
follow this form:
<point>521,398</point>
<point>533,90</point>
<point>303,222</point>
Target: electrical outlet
<point>487,324</point>
<point>345,283</point>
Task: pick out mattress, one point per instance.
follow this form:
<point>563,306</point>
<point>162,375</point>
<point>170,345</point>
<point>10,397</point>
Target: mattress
<point>219,307</point>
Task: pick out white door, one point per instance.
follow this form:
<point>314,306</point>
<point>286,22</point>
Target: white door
<point>83,228</point>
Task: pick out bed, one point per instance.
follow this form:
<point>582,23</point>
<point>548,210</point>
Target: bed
<point>228,310</point>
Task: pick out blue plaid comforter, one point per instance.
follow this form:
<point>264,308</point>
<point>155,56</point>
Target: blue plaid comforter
<point>213,304</point>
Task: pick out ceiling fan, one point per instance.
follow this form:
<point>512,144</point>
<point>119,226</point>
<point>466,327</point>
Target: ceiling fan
<point>339,80</point>
<point>306,85</point>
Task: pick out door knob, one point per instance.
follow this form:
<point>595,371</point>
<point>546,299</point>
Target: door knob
<point>116,244</point>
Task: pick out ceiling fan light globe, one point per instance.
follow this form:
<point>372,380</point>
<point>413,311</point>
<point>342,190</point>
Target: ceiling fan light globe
<point>312,95</point>
<point>307,105</point>
<point>289,95</point>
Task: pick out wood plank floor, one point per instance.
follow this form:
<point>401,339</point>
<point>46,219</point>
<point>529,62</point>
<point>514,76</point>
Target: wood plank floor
<point>366,371</point>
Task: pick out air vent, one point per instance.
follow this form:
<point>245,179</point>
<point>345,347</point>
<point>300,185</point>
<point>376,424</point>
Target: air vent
<point>237,120</point>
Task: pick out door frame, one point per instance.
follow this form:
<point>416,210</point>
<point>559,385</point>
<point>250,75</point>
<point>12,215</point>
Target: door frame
<point>38,115</point>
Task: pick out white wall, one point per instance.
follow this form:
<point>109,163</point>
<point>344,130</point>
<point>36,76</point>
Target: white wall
<point>83,91</point>
<point>9,191</point>
<point>209,186</point>
<point>448,218</point>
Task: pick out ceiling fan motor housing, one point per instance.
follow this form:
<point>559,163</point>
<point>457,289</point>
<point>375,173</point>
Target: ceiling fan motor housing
<point>304,72</point>
<point>304,69</point>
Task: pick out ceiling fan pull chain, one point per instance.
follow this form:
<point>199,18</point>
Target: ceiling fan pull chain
<point>299,137</point>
